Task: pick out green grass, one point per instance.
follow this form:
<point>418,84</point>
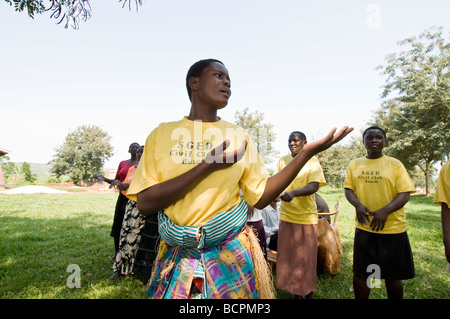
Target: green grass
<point>42,234</point>
<point>425,234</point>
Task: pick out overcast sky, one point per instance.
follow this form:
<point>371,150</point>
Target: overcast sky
<point>307,66</point>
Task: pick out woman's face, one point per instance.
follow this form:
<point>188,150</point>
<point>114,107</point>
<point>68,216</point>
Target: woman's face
<point>295,144</point>
<point>133,149</point>
<point>139,153</point>
<point>213,86</point>
<point>374,141</point>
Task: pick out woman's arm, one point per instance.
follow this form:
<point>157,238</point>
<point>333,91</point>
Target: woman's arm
<point>280,181</point>
<point>309,189</point>
<point>380,215</point>
<point>123,186</point>
<point>111,182</point>
<point>445,220</point>
<point>362,212</point>
<point>164,194</point>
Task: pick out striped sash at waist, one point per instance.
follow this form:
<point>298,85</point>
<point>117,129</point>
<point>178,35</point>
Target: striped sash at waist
<point>211,233</point>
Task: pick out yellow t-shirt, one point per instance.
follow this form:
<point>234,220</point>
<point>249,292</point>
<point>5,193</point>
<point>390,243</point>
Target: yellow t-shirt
<point>173,148</point>
<point>302,209</point>
<point>442,194</point>
<point>375,183</point>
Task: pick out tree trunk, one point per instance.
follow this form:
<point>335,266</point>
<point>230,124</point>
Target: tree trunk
<point>426,172</point>
<point>427,177</point>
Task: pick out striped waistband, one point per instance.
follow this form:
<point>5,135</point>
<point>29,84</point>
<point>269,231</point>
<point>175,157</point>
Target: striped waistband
<point>213,232</point>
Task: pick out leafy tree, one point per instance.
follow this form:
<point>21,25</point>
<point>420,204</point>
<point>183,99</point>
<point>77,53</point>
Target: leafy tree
<point>14,175</point>
<point>83,154</point>
<point>8,168</point>
<point>261,133</point>
<point>71,11</point>
<point>335,160</point>
<point>26,171</point>
<point>416,106</point>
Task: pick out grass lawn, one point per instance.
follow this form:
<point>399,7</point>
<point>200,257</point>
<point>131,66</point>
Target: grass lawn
<point>42,234</point>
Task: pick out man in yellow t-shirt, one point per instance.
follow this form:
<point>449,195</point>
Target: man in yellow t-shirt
<point>442,197</point>
<point>378,186</point>
<point>297,235</point>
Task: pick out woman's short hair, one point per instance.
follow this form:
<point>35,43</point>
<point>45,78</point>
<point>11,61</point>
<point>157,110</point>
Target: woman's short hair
<point>196,70</point>
<point>374,127</point>
<point>302,135</point>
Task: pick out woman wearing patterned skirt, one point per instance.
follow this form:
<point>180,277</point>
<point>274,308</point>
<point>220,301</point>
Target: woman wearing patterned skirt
<point>191,175</point>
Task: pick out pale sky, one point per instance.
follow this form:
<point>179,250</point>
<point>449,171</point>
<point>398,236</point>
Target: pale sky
<point>308,66</point>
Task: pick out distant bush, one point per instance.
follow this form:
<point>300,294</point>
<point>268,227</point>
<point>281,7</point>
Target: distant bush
<point>14,175</point>
<point>25,170</point>
<point>53,180</point>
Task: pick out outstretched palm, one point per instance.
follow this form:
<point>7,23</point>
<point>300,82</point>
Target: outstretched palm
<point>326,142</point>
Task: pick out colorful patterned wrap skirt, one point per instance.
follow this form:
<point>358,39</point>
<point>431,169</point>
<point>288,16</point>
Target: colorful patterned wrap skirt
<point>218,252</point>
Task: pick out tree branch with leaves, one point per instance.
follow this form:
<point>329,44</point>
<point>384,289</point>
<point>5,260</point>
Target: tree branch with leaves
<point>261,133</point>
<point>71,11</point>
<point>415,109</point>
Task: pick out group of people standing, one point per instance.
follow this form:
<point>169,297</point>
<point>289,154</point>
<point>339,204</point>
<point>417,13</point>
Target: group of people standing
<point>196,180</point>
<point>378,186</point>
<point>135,236</point>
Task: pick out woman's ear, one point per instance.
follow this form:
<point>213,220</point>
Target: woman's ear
<point>194,83</point>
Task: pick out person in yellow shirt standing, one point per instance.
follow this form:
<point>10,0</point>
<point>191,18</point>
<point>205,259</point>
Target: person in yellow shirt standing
<point>297,235</point>
<point>442,197</point>
<point>191,175</point>
<point>378,186</point>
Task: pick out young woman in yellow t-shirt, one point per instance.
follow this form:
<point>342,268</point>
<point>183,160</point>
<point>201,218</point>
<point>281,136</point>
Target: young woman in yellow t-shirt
<point>297,236</point>
<point>193,170</point>
<point>442,198</point>
<point>378,186</point>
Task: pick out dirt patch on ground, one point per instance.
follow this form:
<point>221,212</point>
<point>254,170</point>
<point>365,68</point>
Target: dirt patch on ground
<point>68,184</point>
<point>94,188</point>
<point>33,189</point>
<point>68,187</point>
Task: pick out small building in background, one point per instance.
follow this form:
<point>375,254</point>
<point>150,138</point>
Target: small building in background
<point>3,152</point>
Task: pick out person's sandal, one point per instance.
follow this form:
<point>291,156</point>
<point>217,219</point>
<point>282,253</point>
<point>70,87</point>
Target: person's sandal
<point>115,275</point>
